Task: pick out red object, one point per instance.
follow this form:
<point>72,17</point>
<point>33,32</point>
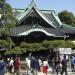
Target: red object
<point>17,64</point>
<point>45,68</point>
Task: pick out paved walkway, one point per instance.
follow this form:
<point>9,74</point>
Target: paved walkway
<point>40,73</point>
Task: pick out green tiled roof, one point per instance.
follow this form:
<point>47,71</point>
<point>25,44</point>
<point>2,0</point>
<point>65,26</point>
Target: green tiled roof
<point>35,30</point>
<point>49,16</point>
<point>57,18</point>
<point>26,29</point>
<point>53,21</point>
<point>68,26</point>
<point>26,12</point>
<point>68,29</point>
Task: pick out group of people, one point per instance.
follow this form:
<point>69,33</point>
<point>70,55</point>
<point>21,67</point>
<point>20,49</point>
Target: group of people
<point>35,65</point>
<point>59,66</point>
<point>9,65</point>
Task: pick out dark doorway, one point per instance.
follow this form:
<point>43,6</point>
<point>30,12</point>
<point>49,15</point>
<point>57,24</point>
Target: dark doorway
<point>36,37</point>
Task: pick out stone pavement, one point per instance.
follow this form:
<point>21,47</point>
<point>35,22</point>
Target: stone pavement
<point>49,73</point>
<point>40,73</point>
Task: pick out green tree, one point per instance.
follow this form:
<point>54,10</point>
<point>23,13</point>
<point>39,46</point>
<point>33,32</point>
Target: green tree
<point>2,0</point>
<point>16,51</point>
<point>67,17</point>
<point>8,19</point>
<point>36,46</point>
<point>31,47</point>
<point>10,43</point>
<point>46,45</point>
<point>3,43</point>
<point>26,47</point>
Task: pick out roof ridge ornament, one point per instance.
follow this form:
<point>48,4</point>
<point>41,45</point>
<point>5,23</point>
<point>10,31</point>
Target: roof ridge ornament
<point>33,3</point>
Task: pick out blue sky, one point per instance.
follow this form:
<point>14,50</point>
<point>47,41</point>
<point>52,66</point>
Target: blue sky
<point>57,5</point>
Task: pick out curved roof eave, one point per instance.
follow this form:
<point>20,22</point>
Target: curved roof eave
<point>35,30</point>
<point>68,26</point>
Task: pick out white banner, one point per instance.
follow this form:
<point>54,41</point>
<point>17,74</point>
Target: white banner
<point>65,50</point>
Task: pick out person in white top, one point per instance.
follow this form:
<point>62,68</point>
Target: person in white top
<point>11,64</point>
<point>40,65</point>
<point>28,64</point>
<point>45,63</point>
<point>40,62</point>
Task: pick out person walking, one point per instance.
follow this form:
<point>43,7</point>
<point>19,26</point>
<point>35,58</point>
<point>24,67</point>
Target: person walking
<point>28,65</point>
<point>57,65</point>
<point>17,66</point>
<point>35,66</point>
<point>45,66</point>
<point>53,65</point>
<point>40,64</point>
<point>8,65</point>
<point>72,63</point>
<point>11,63</point>
<point>2,66</point>
<point>64,66</point>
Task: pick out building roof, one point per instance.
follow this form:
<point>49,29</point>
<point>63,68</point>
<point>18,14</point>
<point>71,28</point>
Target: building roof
<point>49,16</point>
<point>27,29</point>
<point>68,29</point>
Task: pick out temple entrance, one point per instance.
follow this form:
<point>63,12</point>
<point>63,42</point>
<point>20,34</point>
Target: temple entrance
<point>49,54</point>
<point>35,37</point>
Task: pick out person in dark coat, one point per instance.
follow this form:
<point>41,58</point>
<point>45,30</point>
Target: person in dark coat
<point>64,66</point>
<point>35,66</point>
<point>57,65</point>
<point>72,63</point>
<point>2,66</point>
